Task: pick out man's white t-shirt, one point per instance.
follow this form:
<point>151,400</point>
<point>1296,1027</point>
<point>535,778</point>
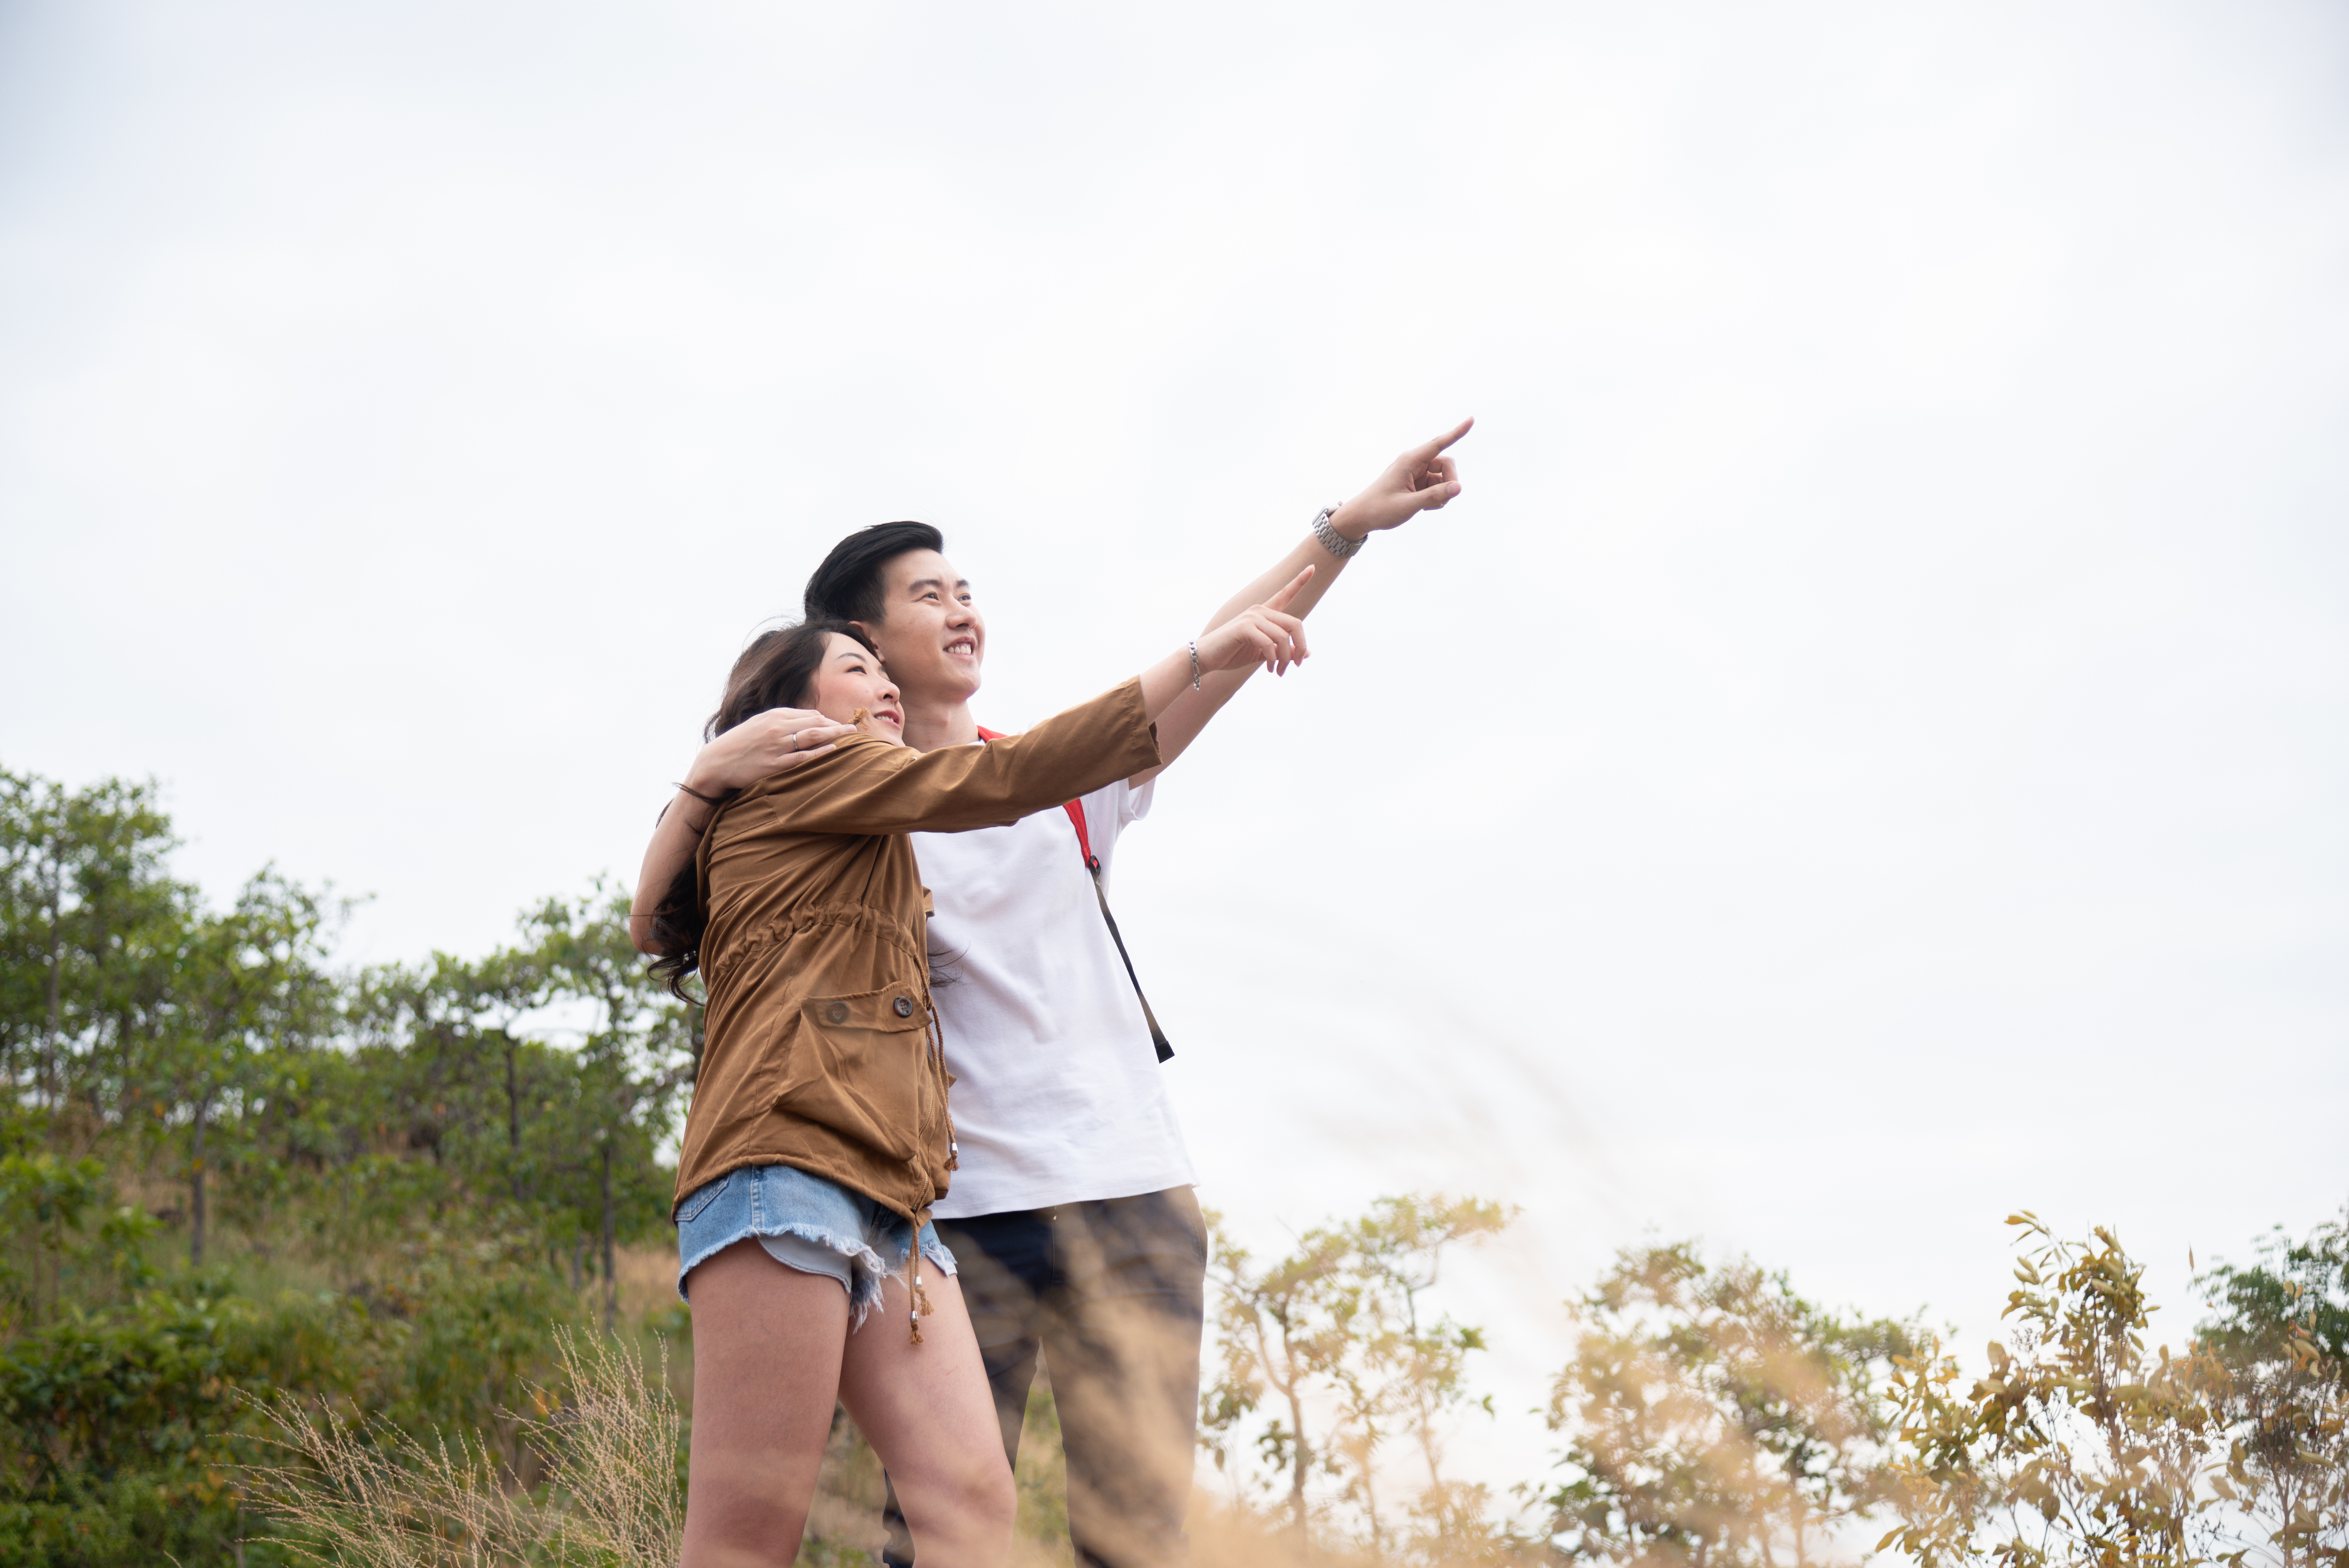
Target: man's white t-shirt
<point>1056,1095</point>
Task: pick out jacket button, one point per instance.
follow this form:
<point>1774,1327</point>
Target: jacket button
<point>836,1014</point>
<point>905,1006</point>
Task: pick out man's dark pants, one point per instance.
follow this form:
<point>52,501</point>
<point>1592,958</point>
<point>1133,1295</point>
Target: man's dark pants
<point>1112,1294</point>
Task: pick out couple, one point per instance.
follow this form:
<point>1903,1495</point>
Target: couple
<point>844,771</point>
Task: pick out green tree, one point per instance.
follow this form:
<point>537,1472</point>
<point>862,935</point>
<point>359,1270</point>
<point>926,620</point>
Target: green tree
<point>89,927</point>
<point>1412,1371</point>
<point>1286,1329</point>
<point>2079,1448</point>
<point>47,1206</point>
<point>248,989</point>
<point>2279,1333</point>
<point>379,1171</point>
<point>1341,1336</point>
<point>544,1076</point>
<point>1715,1417</point>
<point>637,1052</point>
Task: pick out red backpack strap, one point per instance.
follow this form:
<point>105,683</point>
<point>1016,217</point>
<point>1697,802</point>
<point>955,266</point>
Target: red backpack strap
<point>1076,810</point>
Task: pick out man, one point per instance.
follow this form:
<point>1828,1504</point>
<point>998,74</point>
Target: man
<point>1071,1217</point>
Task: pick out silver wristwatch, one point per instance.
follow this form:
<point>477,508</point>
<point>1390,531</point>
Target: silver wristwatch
<point>1335,543</point>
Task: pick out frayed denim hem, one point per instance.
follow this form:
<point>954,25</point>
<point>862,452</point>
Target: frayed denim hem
<point>865,1265</point>
<point>933,1249</point>
<point>863,1261</point>
<point>806,1222</point>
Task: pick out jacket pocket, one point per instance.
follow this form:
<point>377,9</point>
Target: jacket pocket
<point>861,1067</point>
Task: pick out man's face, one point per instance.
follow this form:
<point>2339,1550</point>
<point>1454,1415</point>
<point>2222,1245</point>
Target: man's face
<point>930,635</point>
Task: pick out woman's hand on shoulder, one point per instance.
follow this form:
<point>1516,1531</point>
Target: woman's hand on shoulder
<point>775,741</point>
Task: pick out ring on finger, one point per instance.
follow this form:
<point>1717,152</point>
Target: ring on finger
<point>794,741</point>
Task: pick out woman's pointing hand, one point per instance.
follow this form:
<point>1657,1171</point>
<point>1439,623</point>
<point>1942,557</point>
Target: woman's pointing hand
<point>1262,633</point>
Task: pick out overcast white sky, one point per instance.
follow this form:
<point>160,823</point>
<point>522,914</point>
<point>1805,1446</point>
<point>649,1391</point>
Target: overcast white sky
<point>1866,753</point>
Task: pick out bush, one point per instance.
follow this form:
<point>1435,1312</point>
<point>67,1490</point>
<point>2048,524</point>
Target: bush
<point>125,1434</point>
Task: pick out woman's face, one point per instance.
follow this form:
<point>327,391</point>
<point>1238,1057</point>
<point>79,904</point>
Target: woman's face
<point>850,678</point>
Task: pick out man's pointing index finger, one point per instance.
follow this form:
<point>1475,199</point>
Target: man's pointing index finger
<point>1422,453</point>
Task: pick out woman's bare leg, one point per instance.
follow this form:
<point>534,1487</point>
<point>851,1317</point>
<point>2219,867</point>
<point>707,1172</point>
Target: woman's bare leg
<point>766,1370</point>
<point>927,1410</point>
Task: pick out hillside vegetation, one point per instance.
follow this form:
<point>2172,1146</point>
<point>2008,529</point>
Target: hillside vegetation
<point>300,1262</point>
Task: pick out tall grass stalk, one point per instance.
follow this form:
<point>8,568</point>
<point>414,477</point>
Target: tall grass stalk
<point>368,1495</point>
<point>614,1448</point>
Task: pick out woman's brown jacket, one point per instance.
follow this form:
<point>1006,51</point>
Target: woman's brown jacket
<point>818,1046</point>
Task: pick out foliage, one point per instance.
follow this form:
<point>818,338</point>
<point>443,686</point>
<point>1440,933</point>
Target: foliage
<point>2281,1338</point>
<point>1715,1417</point>
<point>89,922</point>
<point>123,1424</point>
<point>1412,1377</point>
<point>1285,1329</point>
<point>288,1255</point>
<point>46,1203</point>
<point>369,1495</point>
<point>1042,1475</point>
<point>2078,1447</point>
<point>383,1188</point>
<point>219,1051</point>
<point>1339,1332</point>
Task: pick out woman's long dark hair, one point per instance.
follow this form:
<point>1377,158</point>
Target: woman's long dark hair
<point>777,670</point>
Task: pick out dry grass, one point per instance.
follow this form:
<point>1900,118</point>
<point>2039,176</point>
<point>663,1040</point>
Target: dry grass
<point>844,1518</point>
<point>369,1496</point>
<point>1232,1537</point>
<point>364,1495</point>
<point>646,1277</point>
<point>615,1450</point>
<point>843,1523</point>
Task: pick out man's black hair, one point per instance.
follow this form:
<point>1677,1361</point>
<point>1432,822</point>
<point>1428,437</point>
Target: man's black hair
<point>847,586</point>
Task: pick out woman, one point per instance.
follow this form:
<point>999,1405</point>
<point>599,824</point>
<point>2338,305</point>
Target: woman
<point>819,1135</point>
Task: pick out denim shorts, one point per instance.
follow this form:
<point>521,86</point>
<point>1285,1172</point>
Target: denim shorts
<point>805,1222</point>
